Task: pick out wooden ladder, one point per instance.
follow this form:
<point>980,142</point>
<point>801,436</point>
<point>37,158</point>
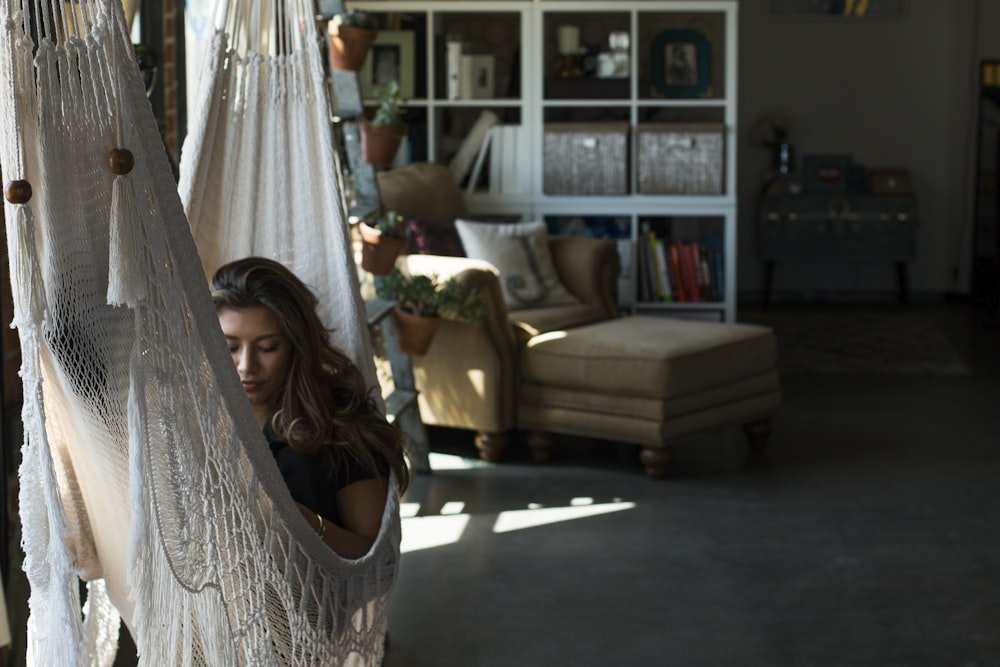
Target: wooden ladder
<point>360,193</point>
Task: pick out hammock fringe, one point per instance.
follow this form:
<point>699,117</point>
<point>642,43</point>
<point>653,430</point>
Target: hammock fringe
<point>126,279</point>
<point>26,271</point>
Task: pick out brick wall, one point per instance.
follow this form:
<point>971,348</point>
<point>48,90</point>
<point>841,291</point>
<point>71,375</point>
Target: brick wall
<point>171,84</point>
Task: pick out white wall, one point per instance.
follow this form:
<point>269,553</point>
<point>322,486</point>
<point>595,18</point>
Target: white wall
<point>892,92</point>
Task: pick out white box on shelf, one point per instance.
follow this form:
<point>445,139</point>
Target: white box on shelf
<point>681,158</point>
<point>585,158</point>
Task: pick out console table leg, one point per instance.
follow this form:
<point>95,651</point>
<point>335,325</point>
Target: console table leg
<point>768,281</point>
<point>903,282</point>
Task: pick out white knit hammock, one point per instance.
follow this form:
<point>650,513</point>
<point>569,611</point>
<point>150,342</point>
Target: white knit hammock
<point>143,469</point>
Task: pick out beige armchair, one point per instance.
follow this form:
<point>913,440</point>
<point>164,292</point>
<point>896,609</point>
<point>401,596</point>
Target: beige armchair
<point>470,376</point>
<point>578,369</point>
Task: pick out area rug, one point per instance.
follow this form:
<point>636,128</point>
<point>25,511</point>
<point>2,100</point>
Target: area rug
<point>858,340</point>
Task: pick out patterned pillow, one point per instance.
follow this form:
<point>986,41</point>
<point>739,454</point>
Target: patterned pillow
<point>520,252</point>
<point>427,237</point>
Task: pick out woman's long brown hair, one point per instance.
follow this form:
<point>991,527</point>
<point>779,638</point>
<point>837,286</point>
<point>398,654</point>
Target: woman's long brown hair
<point>324,406</point>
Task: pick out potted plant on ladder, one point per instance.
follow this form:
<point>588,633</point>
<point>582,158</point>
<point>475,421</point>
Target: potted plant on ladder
<point>382,240</point>
<point>421,301</point>
<point>351,35</point>
<point>382,135</point>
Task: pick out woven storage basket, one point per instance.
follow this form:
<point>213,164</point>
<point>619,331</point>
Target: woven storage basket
<point>586,158</point>
<point>681,158</point>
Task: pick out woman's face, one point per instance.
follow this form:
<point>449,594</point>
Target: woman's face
<point>261,352</point>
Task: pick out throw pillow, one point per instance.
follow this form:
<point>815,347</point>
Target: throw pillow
<point>427,237</point>
<point>520,252</point>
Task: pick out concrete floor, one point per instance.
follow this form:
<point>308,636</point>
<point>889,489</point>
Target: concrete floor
<point>867,536</point>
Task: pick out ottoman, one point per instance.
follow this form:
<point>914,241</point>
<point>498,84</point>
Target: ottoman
<point>648,380</point>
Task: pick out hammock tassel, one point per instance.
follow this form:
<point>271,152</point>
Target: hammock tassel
<point>29,287</point>
<point>126,286</point>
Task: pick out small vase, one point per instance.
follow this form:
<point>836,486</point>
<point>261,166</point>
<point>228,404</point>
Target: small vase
<point>379,251</point>
<point>380,144</point>
<point>349,46</point>
<point>784,158</point>
<point>414,333</point>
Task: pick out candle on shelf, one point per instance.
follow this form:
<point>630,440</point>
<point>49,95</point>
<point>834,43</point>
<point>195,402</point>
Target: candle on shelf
<point>569,39</point>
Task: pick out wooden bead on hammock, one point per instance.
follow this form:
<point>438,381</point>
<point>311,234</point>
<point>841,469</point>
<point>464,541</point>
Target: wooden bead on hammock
<point>120,161</point>
<point>17,192</point>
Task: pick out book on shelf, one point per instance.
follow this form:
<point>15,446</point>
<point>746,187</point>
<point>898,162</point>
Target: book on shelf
<point>655,289</point>
<point>642,267</point>
<point>477,166</point>
<point>453,67</point>
<point>675,266</point>
<point>471,145</point>
<point>693,269</point>
<point>496,160</point>
<point>506,148</point>
<point>625,293</point>
<point>663,266</point>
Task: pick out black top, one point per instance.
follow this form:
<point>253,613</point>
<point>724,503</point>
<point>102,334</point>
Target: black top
<point>310,478</point>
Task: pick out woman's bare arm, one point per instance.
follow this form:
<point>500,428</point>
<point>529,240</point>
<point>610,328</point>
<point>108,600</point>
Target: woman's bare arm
<point>360,506</point>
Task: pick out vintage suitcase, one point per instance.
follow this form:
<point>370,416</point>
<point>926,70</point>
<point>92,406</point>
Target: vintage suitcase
<point>681,158</point>
<point>585,158</point>
<point>837,227</point>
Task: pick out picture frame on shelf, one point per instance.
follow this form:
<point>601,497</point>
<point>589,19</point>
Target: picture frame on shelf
<point>682,64</point>
<point>476,77</point>
<point>391,58</point>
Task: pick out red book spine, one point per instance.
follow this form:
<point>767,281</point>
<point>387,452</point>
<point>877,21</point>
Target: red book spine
<point>675,264</point>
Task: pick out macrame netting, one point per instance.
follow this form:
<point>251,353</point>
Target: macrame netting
<point>257,172</point>
<point>143,469</point>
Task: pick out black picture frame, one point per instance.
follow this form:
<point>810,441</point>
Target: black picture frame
<point>682,63</point>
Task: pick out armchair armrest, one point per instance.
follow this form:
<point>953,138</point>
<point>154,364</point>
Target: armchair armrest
<point>467,378</point>
<point>589,268</point>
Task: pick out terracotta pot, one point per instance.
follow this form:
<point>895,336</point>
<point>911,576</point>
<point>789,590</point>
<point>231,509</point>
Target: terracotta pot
<point>415,333</point>
<point>380,144</point>
<point>378,251</point>
<point>349,46</point>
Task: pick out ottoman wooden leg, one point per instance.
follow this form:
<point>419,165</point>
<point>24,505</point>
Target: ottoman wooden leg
<point>757,434</point>
<point>656,461</point>
<point>541,445</point>
<point>491,446</point>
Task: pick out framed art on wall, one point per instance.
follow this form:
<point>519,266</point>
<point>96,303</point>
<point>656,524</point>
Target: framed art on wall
<point>682,64</point>
<point>391,57</point>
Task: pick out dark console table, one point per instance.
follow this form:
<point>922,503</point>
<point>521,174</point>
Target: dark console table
<point>840,227</point>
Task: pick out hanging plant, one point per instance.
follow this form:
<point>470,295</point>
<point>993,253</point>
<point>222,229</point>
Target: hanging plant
<point>382,135</point>
<point>351,35</point>
<point>382,241</point>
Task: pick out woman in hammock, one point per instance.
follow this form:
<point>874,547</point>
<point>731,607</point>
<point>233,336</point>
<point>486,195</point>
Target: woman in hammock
<point>332,445</point>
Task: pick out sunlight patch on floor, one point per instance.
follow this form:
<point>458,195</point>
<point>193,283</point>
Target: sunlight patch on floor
<point>427,532</point>
<point>450,462</point>
<point>531,518</point>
